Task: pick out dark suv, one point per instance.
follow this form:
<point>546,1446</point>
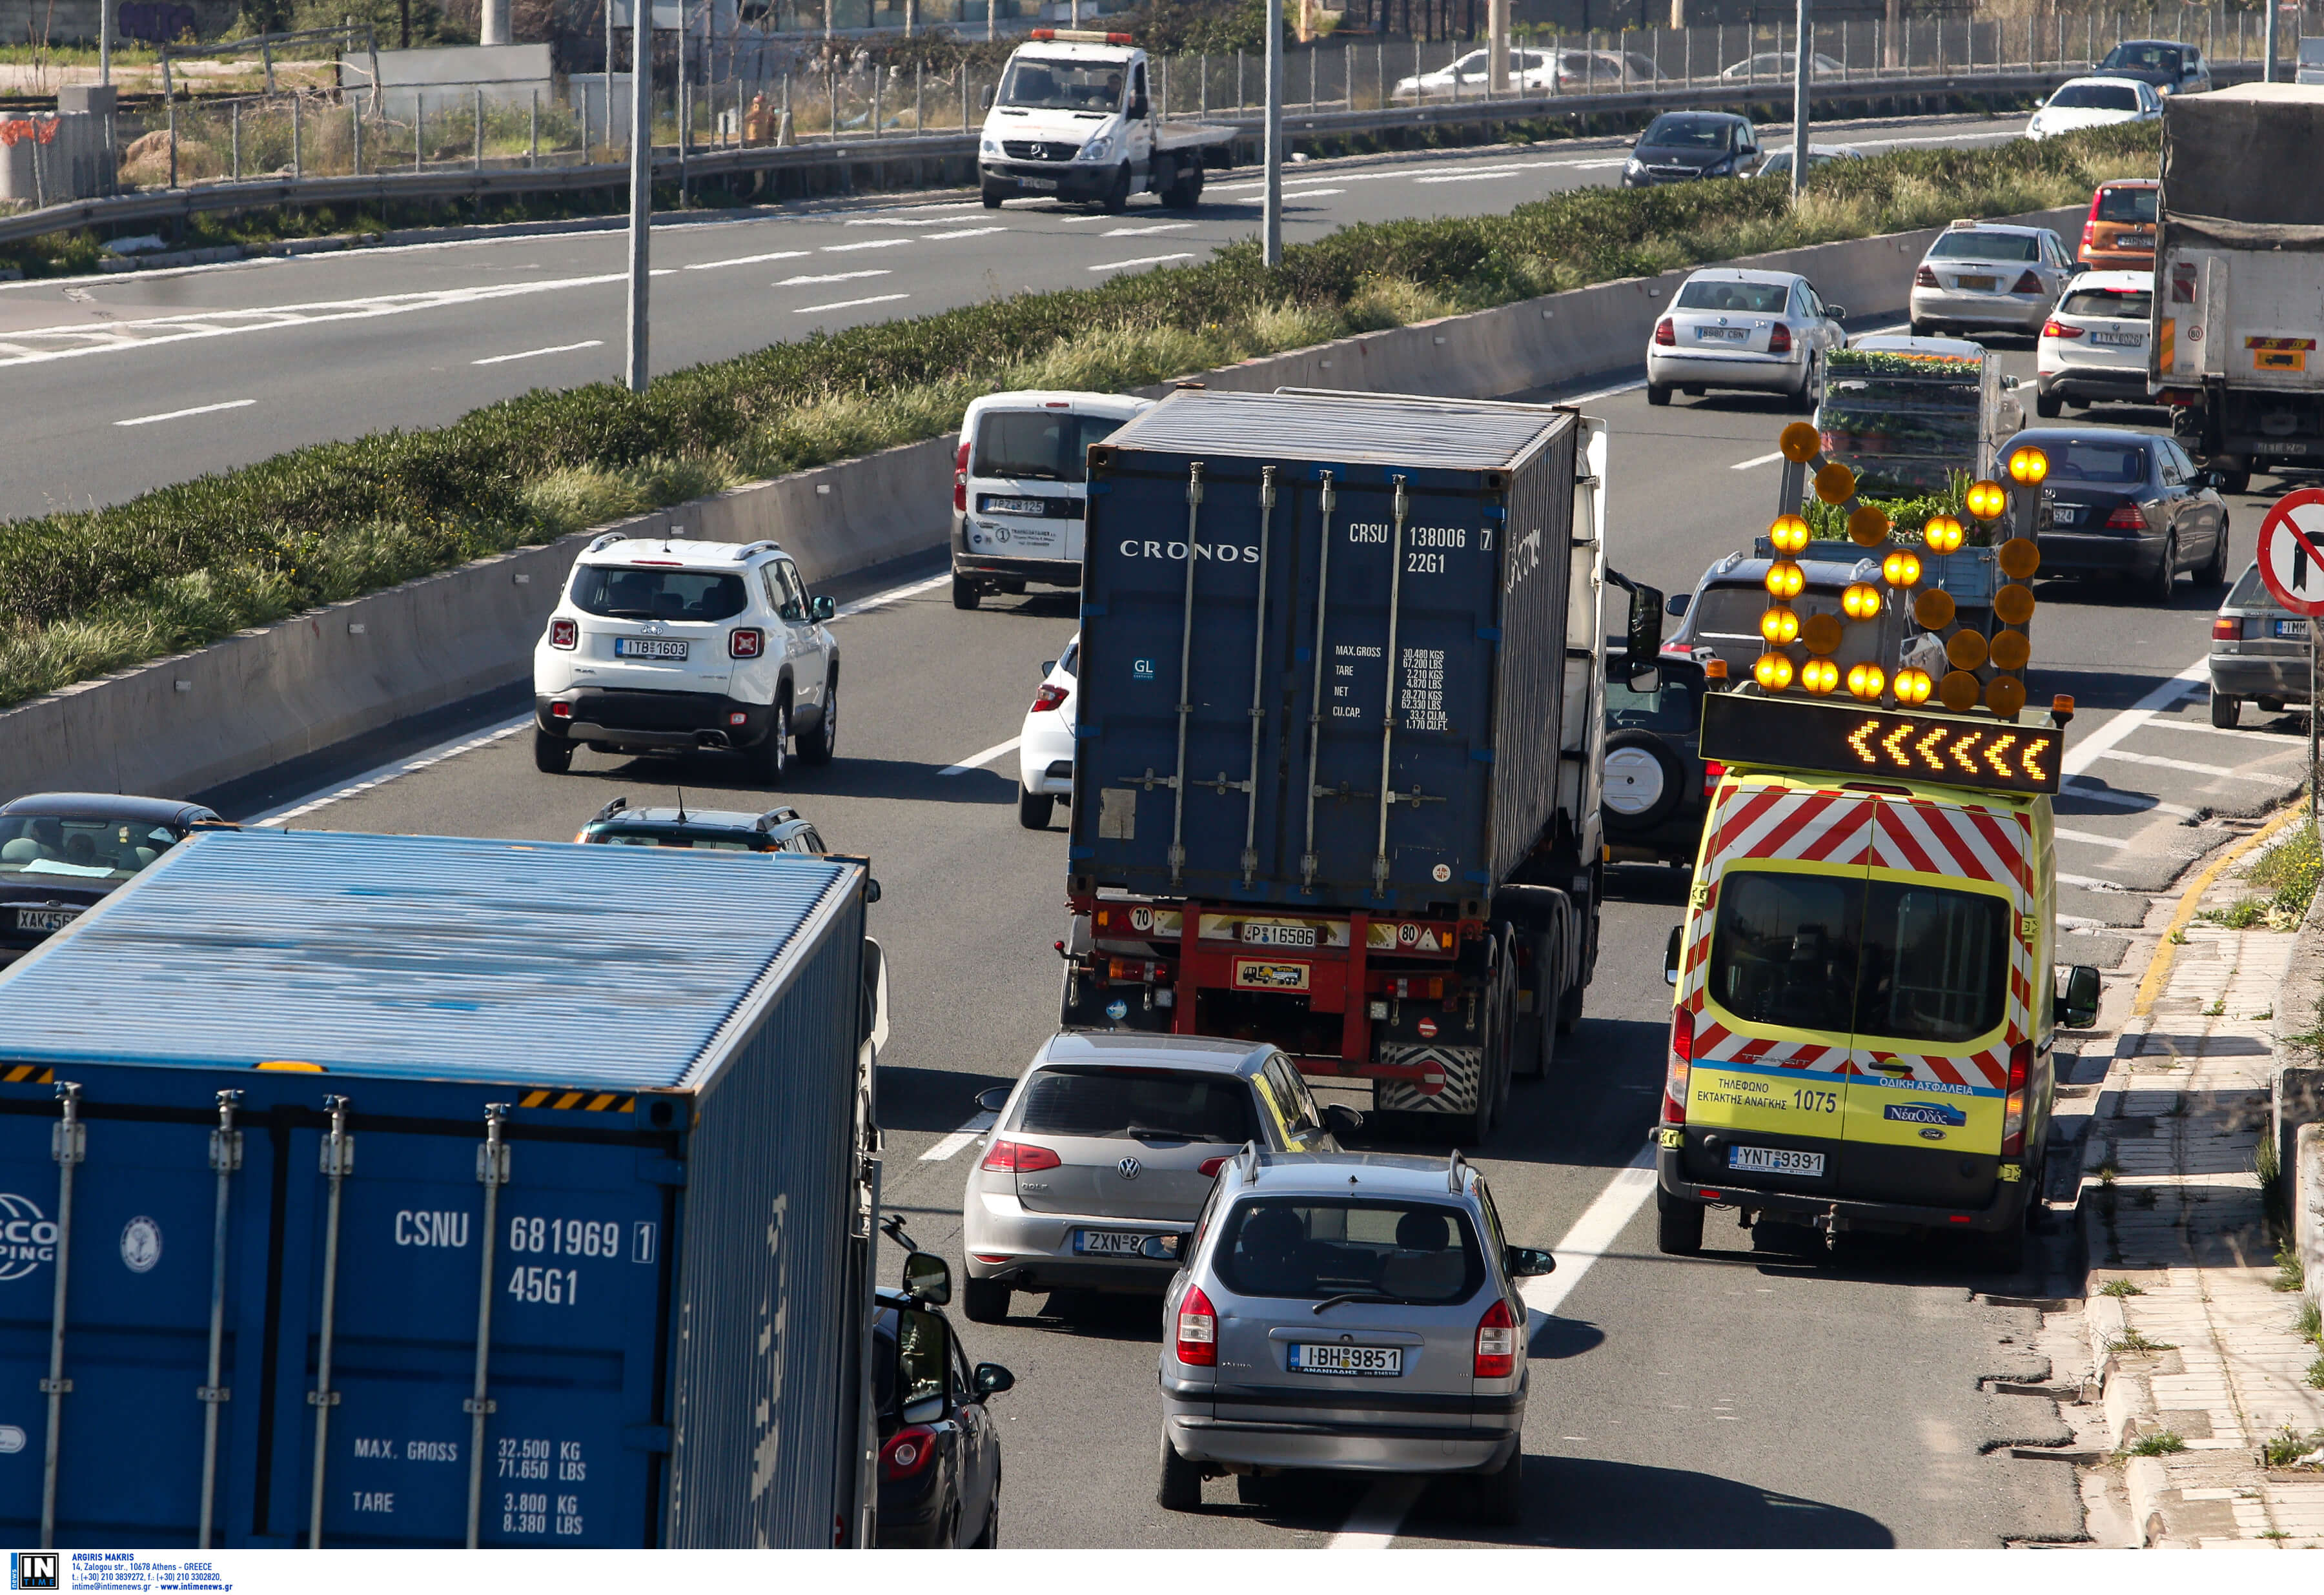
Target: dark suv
<point>1657,785</point>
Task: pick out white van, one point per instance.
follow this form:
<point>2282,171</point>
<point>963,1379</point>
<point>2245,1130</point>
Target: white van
<point>1016,488</point>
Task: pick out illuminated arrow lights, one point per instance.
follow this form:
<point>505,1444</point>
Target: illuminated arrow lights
<point>1966,652</point>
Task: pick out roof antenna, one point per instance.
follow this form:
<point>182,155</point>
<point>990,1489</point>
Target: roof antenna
<point>681,805</point>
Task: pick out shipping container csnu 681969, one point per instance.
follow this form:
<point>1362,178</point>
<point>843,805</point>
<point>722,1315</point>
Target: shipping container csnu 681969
<point>430,1191</point>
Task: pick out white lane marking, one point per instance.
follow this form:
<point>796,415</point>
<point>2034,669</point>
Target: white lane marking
<point>1310,193</point>
<point>172,415</point>
<point>2090,789</point>
<point>1593,1234</point>
<point>2090,882</point>
<point>1150,260</point>
<point>593,343</point>
<point>1764,459</point>
<point>2174,724</point>
<point>2188,765</point>
<point>2090,837</point>
<point>870,244</point>
<point>979,760</point>
<point>748,260</point>
<point>960,232</point>
<point>892,595</point>
<point>1473,177</point>
<point>917,215</point>
<point>877,299</point>
<point>802,281</point>
<point>966,1135</point>
<point>2086,752</point>
<point>400,767</point>
<point>1372,1525</point>
<point>1141,231</point>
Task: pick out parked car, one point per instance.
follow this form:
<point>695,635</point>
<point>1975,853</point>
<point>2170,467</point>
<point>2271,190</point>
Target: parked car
<point>2094,102</point>
<point>61,853</point>
<point>1763,332</point>
<point>1045,747</point>
<point>1102,1153</point>
<point>1680,146</point>
<point>2166,64</point>
<point>1018,489</point>
<point>1777,163</point>
<point>2259,650</point>
<point>2093,346</point>
<point>1656,784</point>
<point>2126,504</point>
<point>1989,276</point>
<point>1772,63</point>
<point>2118,235</point>
<point>714,830</point>
<point>2311,61</point>
<point>1529,72</point>
<point>1352,1312</point>
<point>661,645</point>
<point>939,1447</point>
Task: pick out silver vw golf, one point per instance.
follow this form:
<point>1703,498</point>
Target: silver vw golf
<point>1105,1150</point>
<point>1355,1311</point>
<point>1764,332</point>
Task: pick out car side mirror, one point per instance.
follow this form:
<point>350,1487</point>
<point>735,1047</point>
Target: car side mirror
<point>1646,630</point>
<point>870,889</point>
<point>2078,1004</point>
<point>992,1379</point>
<point>1835,312</point>
<point>1528,1262</point>
<point>821,608</point>
<point>928,1278</point>
<point>1341,1119</point>
<point>1645,682</point>
<point>986,98</point>
<point>1676,602</point>
<point>2010,384</point>
<point>992,1099</point>
<point>1669,955</point>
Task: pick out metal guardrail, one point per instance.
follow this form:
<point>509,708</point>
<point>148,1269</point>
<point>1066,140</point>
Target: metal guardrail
<point>473,182</point>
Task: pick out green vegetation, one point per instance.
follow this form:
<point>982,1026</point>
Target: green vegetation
<point>2290,1276</point>
<point>2288,1446</point>
<point>2121,1287</point>
<point>2132,1340</point>
<point>2287,873</point>
<point>85,592</point>
<point>2163,1444</point>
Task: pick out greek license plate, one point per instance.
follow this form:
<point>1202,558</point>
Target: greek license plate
<point>1110,1243</point>
<point>1001,506</point>
<point>1983,283</point>
<point>2064,516</point>
<point>1279,936</point>
<point>1774,1160</point>
<point>54,919</point>
<point>1038,182</point>
<point>1722,335</point>
<point>650,647</point>
<point>2120,340</point>
<point>1380,1361</point>
<point>2282,629</point>
<point>2139,240</point>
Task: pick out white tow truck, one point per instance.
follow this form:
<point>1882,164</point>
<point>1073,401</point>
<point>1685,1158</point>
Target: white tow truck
<point>1074,118</point>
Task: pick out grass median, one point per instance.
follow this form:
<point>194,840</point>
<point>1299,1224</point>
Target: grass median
<point>87,591</point>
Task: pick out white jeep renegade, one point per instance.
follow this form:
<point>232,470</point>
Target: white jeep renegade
<point>662,646</point>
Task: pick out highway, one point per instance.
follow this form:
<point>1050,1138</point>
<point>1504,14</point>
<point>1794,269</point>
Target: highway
<point>1742,1398</point>
<point>124,383</point>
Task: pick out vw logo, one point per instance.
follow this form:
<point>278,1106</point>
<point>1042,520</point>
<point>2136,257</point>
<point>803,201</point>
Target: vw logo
<point>1129,1167</point>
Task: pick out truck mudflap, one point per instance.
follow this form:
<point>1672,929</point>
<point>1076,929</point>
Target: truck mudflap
<point>1425,1079</point>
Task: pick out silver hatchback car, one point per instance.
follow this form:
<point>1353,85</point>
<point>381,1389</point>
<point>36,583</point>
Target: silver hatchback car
<point>1763,332</point>
<point>1346,1311</point>
<point>1105,1150</point>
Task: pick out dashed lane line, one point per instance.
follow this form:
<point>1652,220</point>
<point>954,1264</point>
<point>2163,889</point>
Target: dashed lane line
<point>177,415</point>
<point>748,260</point>
<point>2090,838</point>
<point>2090,789</point>
<point>876,298</point>
<point>593,342</point>
<point>2189,766</point>
<point>1764,459</point>
<point>803,279</point>
<point>979,760</point>
<point>1150,259</point>
<point>964,1136</point>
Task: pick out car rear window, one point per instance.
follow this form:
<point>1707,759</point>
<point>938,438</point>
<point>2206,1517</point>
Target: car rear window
<point>700,840</point>
<point>1673,706</point>
<point>2089,460</point>
<point>2142,58</point>
<point>2250,592</point>
<point>1886,959</point>
<point>2094,96</point>
<point>1307,1247</point>
<point>1042,444</point>
<point>2123,304</point>
<point>2127,205</point>
<point>1971,244</point>
<point>1760,298</point>
<point>1068,1100</point>
<point>624,592</point>
<point>71,848</point>
<point>1735,610</point>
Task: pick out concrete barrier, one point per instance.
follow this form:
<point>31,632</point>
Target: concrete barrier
<point>274,693</point>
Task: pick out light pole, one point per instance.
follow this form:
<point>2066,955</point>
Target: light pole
<point>641,182</point>
<point>1800,98</point>
<point>1271,230</point>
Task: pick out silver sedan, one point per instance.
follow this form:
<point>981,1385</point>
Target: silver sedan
<point>1984,276</point>
<point>1763,332</point>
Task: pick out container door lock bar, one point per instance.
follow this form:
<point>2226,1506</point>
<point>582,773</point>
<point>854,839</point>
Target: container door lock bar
<point>1177,855</point>
<point>68,1144</point>
<point>1307,860</point>
<point>492,1172</point>
<point>338,1161</point>
<point>226,1159</point>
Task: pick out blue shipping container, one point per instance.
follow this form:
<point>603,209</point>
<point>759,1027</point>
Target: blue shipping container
<point>424,1190</point>
<point>1288,597</point>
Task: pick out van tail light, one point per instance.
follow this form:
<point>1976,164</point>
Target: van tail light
<point>1713,770</point>
<point>1210,1166</point>
<point>960,478</point>
<point>2053,328</point>
<point>2226,629</point>
<point>564,633</point>
<point>907,1453</point>
<point>1663,335</point>
<point>1018,1157</point>
<point>2027,283</point>
<point>1779,340</point>
<point>1496,1342</point>
<point>1682,1067</point>
<point>1198,1329</point>
<point>2125,517</point>
<point>2013,1107</point>
<point>1050,696</point>
<point>745,642</point>
<point>1926,277</point>
<point>2090,233</point>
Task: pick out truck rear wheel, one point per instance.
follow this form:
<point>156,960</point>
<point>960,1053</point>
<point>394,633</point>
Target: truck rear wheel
<point>1186,190</point>
<point>1678,1226</point>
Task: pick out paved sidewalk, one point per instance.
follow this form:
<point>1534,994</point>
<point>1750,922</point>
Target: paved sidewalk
<point>2197,1354</point>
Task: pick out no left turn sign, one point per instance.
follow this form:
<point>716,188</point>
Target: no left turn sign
<point>2292,551</point>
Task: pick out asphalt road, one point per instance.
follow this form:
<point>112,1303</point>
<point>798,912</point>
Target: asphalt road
<point>1746,1397</point>
<point>123,384</point>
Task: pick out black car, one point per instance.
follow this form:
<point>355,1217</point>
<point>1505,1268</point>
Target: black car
<point>1679,146</point>
<point>939,1450</point>
<point>717,830</point>
<point>2170,66</point>
<point>1657,786</point>
<point>2127,504</point>
<point>62,852</point>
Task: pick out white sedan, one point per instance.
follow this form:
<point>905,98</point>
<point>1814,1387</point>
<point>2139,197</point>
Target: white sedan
<point>2095,102</point>
<point>1765,332</point>
<point>2093,346</point>
<point>1045,748</point>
